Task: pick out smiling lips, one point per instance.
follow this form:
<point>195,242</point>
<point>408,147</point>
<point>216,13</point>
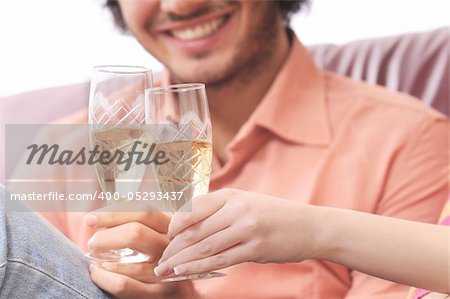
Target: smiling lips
<point>199,31</point>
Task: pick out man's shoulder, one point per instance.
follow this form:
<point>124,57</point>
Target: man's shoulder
<point>350,95</point>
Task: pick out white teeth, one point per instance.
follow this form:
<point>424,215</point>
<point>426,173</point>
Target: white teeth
<point>198,31</point>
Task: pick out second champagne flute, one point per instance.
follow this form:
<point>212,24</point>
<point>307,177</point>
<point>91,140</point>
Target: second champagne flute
<point>178,116</point>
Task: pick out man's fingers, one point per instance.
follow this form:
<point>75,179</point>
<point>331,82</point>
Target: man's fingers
<point>125,287</point>
<point>139,271</point>
<point>151,218</point>
<point>132,235</point>
<point>205,205</point>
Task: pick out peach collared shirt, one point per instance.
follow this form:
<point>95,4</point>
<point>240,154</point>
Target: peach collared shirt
<point>320,139</point>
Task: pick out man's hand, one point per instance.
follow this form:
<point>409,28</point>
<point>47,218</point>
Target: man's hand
<point>141,231</point>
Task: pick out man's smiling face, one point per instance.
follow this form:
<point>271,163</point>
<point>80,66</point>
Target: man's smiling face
<point>209,41</point>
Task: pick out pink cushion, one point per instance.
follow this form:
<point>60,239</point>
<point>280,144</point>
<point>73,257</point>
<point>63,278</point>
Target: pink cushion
<point>43,106</point>
<point>417,64</point>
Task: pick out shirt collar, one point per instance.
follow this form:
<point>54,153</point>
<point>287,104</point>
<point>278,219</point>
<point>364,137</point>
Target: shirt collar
<point>295,106</point>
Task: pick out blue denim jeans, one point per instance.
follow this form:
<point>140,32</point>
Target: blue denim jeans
<point>37,261</point>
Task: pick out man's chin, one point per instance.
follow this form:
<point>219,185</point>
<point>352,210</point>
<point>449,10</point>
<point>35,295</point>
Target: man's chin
<point>206,76</point>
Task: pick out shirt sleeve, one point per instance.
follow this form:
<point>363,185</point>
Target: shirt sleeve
<point>416,188</point>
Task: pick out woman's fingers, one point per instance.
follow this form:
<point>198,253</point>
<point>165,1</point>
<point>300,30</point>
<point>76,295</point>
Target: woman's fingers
<point>220,220</point>
<point>210,246</point>
<point>132,235</point>
<point>212,214</point>
<point>203,207</point>
<point>227,258</point>
<point>151,218</point>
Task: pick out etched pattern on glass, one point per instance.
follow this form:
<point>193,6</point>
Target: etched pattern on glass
<point>189,151</point>
<point>118,113</point>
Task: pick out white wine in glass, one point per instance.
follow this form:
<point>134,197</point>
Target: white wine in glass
<point>187,171</point>
<point>179,116</point>
<point>121,179</point>
<point>117,126</point>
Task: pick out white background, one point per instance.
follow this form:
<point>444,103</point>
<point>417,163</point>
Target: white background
<point>46,43</point>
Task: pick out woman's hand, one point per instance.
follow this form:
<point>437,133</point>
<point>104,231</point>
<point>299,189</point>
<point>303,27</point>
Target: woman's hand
<point>229,226</point>
<point>144,232</point>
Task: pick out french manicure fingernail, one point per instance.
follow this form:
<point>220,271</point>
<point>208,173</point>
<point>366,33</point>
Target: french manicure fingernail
<point>90,219</point>
<point>161,270</point>
<point>157,271</point>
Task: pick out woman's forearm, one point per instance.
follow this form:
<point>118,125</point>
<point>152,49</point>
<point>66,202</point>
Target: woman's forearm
<point>406,252</point>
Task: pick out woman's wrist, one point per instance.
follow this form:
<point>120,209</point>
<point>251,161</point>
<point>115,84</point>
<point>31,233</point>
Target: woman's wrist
<point>325,226</point>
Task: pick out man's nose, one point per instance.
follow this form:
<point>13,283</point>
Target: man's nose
<point>181,7</point>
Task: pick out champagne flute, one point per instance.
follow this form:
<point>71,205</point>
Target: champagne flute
<point>179,121</point>
<point>117,123</point>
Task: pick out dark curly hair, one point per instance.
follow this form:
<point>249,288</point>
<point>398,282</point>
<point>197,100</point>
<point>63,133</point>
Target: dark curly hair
<point>287,7</point>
